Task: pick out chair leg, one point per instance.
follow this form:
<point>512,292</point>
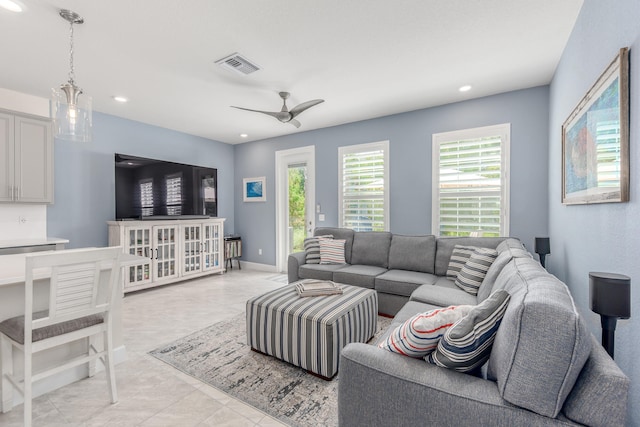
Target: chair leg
<point>91,349</point>
<point>109,365</point>
<point>6,364</point>
<point>28,394</point>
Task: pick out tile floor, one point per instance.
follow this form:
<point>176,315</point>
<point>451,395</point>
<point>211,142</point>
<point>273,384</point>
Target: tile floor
<point>152,393</point>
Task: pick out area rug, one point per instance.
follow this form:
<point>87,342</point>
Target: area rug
<point>279,278</point>
<point>219,356</point>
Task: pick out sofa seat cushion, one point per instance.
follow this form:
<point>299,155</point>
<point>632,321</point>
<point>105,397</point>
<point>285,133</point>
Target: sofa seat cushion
<point>358,275</point>
<point>402,282</point>
<point>319,271</point>
<point>371,248</point>
<point>542,344</point>
<point>413,253</point>
<point>443,294</point>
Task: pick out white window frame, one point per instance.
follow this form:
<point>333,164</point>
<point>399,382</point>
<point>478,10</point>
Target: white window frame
<point>502,130</point>
<point>360,148</point>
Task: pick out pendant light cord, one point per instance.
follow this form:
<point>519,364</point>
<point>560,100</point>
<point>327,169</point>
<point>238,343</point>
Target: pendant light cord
<point>72,74</point>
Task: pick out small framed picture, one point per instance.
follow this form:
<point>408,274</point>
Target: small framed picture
<point>254,189</point>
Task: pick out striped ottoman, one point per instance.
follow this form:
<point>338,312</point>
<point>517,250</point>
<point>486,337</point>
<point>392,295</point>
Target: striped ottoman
<point>310,332</point>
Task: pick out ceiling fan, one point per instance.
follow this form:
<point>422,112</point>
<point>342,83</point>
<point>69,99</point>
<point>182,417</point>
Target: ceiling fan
<point>285,115</point>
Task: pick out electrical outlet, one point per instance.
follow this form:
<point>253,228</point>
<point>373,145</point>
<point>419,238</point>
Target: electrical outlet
<point>321,217</point>
<point>259,251</point>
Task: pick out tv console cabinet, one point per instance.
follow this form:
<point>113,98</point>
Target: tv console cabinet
<point>177,249</point>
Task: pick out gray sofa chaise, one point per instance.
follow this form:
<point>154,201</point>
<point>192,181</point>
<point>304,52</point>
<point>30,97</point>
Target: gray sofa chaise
<point>545,368</point>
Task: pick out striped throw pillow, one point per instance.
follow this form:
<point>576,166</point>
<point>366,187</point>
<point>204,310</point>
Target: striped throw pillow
<point>332,251</point>
<point>467,344</point>
<point>312,248</point>
<point>419,335</point>
<point>458,259</point>
<point>472,274</point>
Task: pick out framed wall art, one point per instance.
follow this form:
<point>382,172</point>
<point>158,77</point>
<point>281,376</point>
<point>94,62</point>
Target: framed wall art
<point>254,189</point>
<point>595,140</point>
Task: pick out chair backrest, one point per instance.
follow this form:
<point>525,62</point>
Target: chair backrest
<point>83,282</point>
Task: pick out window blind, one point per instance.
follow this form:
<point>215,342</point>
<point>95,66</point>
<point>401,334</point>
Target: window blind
<point>470,197</point>
<point>364,202</point>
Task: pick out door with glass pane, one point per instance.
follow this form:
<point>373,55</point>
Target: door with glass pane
<point>192,249</point>
<point>165,239</point>
<point>212,246</point>
<point>295,199</point>
<point>138,242</point>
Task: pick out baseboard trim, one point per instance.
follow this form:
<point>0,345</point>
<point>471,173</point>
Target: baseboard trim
<point>259,267</point>
<point>69,376</point>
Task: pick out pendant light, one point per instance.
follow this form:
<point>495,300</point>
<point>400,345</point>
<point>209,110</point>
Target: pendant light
<point>71,111</point>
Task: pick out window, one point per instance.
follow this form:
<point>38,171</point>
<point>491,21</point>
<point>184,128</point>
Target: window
<point>471,182</point>
<point>146,196</point>
<point>363,177</point>
<point>174,194</point>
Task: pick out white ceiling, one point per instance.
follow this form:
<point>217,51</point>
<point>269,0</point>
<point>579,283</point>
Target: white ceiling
<point>365,58</point>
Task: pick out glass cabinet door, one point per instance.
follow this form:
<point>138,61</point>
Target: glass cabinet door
<point>138,242</point>
<point>192,247</point>
<point>212,258</point>
<point>165,239</point>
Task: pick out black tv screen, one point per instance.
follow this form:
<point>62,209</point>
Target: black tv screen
<point>157,189</point>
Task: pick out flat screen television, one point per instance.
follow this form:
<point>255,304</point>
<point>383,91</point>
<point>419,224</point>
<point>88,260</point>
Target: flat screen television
<point>157,189</point>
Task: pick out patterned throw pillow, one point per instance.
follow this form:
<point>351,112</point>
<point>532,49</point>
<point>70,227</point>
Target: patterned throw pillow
<point>467,344</point>
<point>458,259</point>
<point>419,335</point>
<point>472,273</point>
<point>332,251</point>
<point>312,248</point>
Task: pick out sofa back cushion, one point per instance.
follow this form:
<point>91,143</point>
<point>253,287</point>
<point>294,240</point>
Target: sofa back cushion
<point>445,245</point>
<point>345,234</point>
<point>413,253</point>
<point>542,343</point>
<point>507,249</point>
<point>371,248</point>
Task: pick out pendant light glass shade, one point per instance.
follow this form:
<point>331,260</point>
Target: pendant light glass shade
<point>70,109</point>
<point>72,120</point>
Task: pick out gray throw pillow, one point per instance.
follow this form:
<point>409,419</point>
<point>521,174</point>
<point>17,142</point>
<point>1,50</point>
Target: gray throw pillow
<point>312,248</point>
<point>472,274</point>
<point>467,344</point>
<point>458,259</point>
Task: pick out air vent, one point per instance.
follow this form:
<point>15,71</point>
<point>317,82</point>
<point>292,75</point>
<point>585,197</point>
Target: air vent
<point>238,63</point>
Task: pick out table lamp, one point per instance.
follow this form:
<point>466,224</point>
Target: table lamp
<point>610,296</point>
<point>542,248</point>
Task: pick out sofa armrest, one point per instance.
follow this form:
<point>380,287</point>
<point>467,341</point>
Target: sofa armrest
<point>293,264</point>
<point>378,387</point>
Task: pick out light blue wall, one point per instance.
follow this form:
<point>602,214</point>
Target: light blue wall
<point>84,174</point>
<point>603,237</point>
<point>409,136</point>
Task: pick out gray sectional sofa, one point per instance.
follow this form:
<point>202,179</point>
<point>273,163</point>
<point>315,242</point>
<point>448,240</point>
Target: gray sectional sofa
<point>544,369</point>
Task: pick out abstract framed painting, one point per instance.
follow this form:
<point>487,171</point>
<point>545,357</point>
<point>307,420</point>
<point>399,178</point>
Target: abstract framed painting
<point>595,140</point>
<point>254,189</point>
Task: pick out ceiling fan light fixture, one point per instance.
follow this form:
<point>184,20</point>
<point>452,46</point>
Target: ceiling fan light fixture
<point>465,88</point>
<point>71,112</point>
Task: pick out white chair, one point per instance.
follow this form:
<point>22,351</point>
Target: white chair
<point>83,286</point>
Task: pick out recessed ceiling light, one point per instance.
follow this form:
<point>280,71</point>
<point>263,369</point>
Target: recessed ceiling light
<point>11,5</point>
<point>119,98</point>
<point>465,88</point>
<point>243,135</point>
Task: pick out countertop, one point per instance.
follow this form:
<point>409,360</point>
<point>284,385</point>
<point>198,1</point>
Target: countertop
<point>17,243</point>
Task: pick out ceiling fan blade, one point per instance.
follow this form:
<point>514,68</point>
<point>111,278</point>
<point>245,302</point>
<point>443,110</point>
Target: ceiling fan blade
<point>294,122</point>
<point>275,114</point>
<point>305,105</point>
